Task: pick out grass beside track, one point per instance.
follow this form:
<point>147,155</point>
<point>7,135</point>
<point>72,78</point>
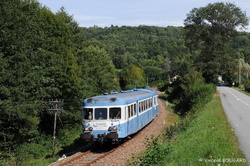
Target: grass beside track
<point>208,139</point>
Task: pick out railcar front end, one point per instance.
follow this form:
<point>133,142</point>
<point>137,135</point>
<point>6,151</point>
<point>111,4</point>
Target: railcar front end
<point>103,124</point>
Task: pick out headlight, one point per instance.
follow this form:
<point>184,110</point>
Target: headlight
<point>88,128</point>
<point>112,128</point>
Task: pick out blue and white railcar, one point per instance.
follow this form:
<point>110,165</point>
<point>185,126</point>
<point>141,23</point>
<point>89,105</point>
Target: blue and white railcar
<point>115,116</point>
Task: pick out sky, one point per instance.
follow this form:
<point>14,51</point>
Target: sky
<point>162,13</point>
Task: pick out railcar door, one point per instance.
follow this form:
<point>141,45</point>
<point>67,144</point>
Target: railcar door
<point>151,109</point>
<point>155,105</point>
<point>137,116</point>
<point>128,120</point>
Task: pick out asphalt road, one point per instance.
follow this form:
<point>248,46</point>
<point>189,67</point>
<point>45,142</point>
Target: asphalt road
<point>237,108</point>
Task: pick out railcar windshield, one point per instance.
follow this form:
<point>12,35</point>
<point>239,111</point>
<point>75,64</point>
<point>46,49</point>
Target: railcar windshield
<point>101,113</point>
<point>115,113</point>
<point>87,113</point>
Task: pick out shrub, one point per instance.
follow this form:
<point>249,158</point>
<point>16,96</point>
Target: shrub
<point>190,92</point>
<point>161,85</point>
<point>155,152</point>
<point>247,86</point>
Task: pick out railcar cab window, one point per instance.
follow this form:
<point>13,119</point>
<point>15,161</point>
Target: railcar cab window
<point>101,113</point>
<point>88,113</point>
<point>115,113</point>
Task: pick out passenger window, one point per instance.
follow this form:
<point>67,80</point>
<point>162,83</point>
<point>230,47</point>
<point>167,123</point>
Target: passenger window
<point>128,108</point>
<point>115,113</point>
<point>155,100</point>
<point>134,109</point>
<point>131,109</point>
<point>144,104</point>
<point>140,107</point>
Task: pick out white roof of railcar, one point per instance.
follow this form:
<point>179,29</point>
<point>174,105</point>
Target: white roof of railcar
<point>123,98</point>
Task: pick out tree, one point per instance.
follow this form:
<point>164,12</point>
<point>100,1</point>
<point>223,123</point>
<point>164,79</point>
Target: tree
<point>247,69</point>
<point>98,71</point>
<point>133,76</point>
<point>243,69</point>
<point>213,27</point>
<point>37,63</point>
<point>21,74</point>
<point>142,45</point>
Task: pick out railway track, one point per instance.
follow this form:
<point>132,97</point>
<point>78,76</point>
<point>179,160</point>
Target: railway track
<point>86,158</point>
<point>93,155</point>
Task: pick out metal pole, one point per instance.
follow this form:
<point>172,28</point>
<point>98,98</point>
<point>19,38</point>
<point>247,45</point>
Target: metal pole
<point>54,133</point>
<point>55,106</point>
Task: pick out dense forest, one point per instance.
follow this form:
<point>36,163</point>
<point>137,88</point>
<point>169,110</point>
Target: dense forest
<point>163,52</point>
<point>45,55</point>
<point>158,51</point>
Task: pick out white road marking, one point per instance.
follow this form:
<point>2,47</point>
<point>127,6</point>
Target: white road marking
<point>237,97</point>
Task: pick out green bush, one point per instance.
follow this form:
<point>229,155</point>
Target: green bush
<point>191,92</point>
<point>161,85</point>
<point>154,154</point>
<point>247,86</point>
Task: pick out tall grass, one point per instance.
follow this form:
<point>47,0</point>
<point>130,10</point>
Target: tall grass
<point>209,140</point>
